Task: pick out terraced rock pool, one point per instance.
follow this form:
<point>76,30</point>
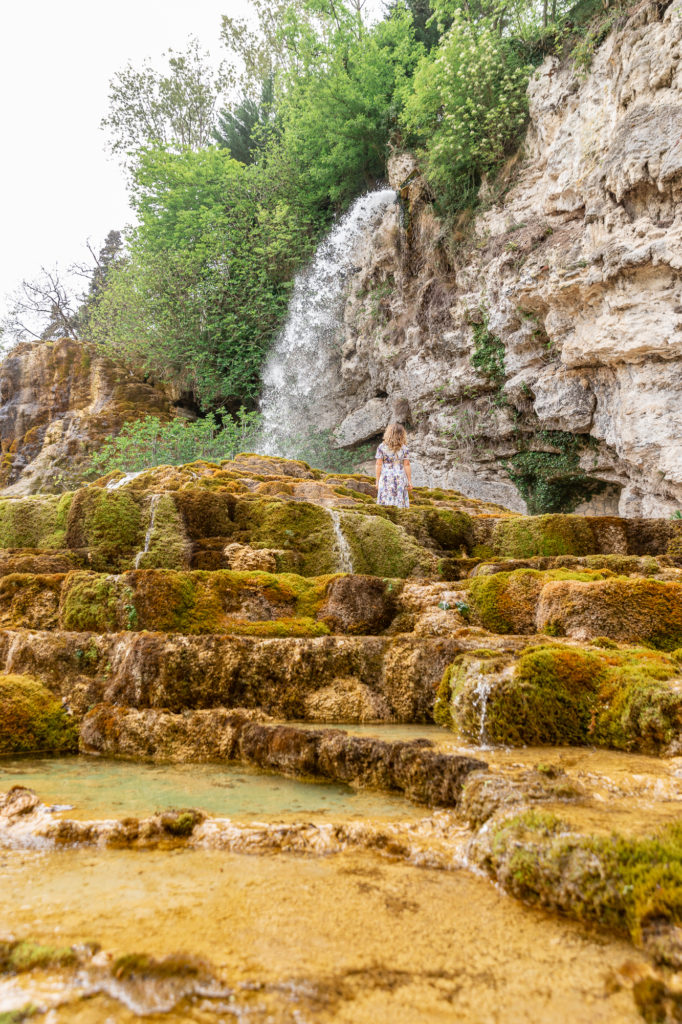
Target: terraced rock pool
<point>95,788</point>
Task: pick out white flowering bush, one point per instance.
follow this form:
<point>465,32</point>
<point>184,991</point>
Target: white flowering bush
<point>468,106</point>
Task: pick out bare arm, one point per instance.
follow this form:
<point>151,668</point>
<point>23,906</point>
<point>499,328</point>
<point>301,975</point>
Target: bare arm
<point>408,473</point>
<point>377,469</point>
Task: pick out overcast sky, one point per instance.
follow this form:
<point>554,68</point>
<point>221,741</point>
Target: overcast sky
<point>56,59</point>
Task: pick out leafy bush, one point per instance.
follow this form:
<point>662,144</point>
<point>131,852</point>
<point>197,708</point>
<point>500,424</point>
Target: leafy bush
<point>145,443</point>
<point>468,106</point>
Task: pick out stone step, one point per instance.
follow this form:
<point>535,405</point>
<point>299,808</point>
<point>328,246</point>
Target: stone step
<point>558,694</point>
<point>415,767</point>
<point>217,528</point>
<point>578,603</point>
<point>333,679</point>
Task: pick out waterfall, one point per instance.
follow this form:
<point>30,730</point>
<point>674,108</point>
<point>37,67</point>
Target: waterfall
<point>150,529</point>
<point>114,485</point>
<point>298,373</point>
<point>480,701</point>
<point>342,547</point>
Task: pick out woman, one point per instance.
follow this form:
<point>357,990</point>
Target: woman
<point>393,473</point>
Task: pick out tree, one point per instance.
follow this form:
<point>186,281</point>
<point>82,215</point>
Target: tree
<point>244,130</point>
<point>206,277</point>
<point>176,110</point>
<point>43,309</point>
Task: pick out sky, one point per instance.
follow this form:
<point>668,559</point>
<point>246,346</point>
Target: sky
<point>59,187</point>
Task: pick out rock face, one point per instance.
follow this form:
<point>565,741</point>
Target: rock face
<point>573,279</point>
<point>58,402</point>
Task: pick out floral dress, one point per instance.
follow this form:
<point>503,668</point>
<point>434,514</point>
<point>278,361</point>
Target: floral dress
<point>393,479</point>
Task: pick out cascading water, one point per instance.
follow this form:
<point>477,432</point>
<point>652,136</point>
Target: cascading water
<point>297,375</point>
<point>344,554</point>
<point>150,529</point>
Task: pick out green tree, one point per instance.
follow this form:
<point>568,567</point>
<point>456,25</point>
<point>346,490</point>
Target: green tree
<point>468,106</point>
<point>176,110</point>
<point>244,130</point>
<point>207,274</point>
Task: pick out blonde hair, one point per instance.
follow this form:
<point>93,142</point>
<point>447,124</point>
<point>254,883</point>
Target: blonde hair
<point>395,436</point>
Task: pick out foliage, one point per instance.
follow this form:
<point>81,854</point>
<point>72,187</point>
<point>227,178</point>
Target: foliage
<point>552,481</point>
<point>467,107</point>
<point>174,110</point>
<point>488,355</point>
<point>207,276</point>
<point>145,443</point>
<point>340,104</point>
<point>316,447</point>
<point>244,129</point>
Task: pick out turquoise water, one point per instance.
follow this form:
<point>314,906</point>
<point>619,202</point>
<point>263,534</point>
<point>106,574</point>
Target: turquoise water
<point>98,788</point>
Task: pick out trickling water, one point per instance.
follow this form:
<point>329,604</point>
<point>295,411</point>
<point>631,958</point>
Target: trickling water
<point>150,529</point>
<point>481,695</point>
<point>298,371</point>
<point>114,485</point>
<point>341,547</point>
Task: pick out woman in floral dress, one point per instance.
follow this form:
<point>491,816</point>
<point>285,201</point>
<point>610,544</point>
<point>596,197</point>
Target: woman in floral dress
<point>393,473</point>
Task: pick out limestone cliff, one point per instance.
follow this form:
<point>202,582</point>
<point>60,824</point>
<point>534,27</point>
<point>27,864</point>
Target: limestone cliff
<point>541,345</point>
<point>57,404</point>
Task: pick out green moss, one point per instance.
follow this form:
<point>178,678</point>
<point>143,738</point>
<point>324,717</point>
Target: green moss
<point>97,603</point>
<point>32,719</point>
<point>506,601</point>
<point>636,611</point>
<point>17,957</point>
<point>299,526</point>
<point>108,522</point>
<point>35,522</point>
<point>181,823</point>
<point>383,548</point>
<point>567,695</point>
<point>623,883</point>
<point>30,600</point>
<point>300,627</point>
<point>168,543</point>
<point>525,536</point>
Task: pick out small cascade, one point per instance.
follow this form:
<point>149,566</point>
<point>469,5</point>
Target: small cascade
<point>342,547</point>
<point>150,529</point>
<point>298,373</point>
<point>114,485</point>
<point>481,696</point>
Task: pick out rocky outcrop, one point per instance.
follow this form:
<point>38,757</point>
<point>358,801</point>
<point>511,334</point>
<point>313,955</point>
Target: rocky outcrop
<point>414,767</point>
<point>572,279</point>
<point>58,403</point>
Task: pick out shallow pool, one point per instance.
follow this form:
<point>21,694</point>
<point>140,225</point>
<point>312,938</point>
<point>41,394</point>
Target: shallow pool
<point>97,788</point>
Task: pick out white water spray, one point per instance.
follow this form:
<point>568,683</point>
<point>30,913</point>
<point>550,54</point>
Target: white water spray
<point>298,374</point>
<point>150,529</point>
<point>114,485</point>
<point>342,547</point>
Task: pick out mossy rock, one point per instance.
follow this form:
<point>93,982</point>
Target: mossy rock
<point>206,513</point>
<point>32,719</point>
<point>441,528</point>
<point>640,611</point>
<point>244,603</point>
<point>299,526</point>
<point>93,602</point>
<point>168,546</point>
<point>19,956</point>
<point>110,523</point>
<point>380,547</point>
<point>506,602</point>
<point>29,600</point>
<point>631,885</point>
<point>35,522</point>
<point>626,699</point>
<point>525,536</point>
